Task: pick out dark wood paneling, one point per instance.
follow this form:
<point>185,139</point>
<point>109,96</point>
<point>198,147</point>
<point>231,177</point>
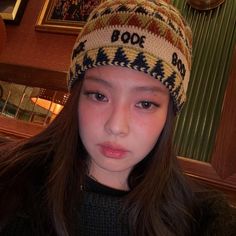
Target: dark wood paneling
<point>221,172</point>
<point>224,154</point>
<point>213,45</point>
<point>18,128</point>
<point>206,174</point>
<point>26,46</point>
<point>34,77</point>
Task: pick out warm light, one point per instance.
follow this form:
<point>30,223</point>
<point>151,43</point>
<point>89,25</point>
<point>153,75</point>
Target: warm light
<point>51,100</point>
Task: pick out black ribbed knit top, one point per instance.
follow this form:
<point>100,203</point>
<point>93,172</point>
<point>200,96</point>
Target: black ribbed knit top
<point>101,211</point>
<point>98,215</point>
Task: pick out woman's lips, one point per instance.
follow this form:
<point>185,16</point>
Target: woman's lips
<point>112,151</point>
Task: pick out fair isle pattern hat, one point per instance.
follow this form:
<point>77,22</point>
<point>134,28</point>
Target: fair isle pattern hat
<point>148,36</point>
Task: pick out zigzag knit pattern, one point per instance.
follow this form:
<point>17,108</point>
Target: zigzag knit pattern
<point>148,36</point>
<point>161,20</point>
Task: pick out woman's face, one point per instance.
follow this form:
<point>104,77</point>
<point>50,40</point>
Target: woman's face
<point>121,115</point>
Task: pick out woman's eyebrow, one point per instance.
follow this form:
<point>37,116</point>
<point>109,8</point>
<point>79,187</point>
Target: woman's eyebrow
<point>144,88</point>
<point>98,80</point>
<point>151,89</point>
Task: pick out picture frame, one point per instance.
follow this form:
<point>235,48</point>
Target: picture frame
<point>12,10</point>
<point>65,16</point>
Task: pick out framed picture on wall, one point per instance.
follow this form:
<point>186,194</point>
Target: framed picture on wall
<point>12,10</point>
<point>65,16</point>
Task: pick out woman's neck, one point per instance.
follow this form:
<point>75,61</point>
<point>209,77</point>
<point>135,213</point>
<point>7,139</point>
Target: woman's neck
<point>115,181</point>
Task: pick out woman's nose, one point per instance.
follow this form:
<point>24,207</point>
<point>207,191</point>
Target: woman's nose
<point>117,122</point>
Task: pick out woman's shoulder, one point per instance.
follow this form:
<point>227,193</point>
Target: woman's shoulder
<point>215,215</point>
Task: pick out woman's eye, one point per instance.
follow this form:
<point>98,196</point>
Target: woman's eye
<point>146,105</point>
<point>97,96</point>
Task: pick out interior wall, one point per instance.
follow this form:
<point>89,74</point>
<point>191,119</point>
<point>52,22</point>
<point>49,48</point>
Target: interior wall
<point>28,47</point>
<point>213,44</point>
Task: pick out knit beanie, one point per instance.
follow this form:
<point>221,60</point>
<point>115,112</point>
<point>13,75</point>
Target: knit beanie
<point>149,36</point>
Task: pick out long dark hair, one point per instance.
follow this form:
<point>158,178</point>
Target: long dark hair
<point>161,201</point>
<point>53,158</point>
<point>54,163</point>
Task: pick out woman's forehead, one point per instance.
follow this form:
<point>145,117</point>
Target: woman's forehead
<point>109,75</point>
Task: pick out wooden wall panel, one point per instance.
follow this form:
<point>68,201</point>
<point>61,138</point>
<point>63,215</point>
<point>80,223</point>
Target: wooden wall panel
<point>214,35</point>
<point>206,130</point>
<point>28,47</point>
<point>224,152</point>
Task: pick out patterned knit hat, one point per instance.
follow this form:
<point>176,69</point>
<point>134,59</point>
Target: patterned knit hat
<point>148,36</point>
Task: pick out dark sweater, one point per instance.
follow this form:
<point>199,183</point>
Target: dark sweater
<point>102,205</point>
<point>100,215</point>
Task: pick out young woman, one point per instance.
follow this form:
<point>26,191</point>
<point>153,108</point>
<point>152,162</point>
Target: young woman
<point>105,165</point>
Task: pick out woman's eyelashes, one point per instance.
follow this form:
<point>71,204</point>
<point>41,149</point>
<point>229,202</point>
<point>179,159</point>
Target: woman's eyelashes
<point>143,104</point>
<point>96,96</point>
<point>147,105</point>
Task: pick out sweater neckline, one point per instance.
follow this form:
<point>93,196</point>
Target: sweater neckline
<point>94,186</point>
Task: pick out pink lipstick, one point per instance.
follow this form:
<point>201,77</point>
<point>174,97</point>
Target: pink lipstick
<point>112,150</point>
